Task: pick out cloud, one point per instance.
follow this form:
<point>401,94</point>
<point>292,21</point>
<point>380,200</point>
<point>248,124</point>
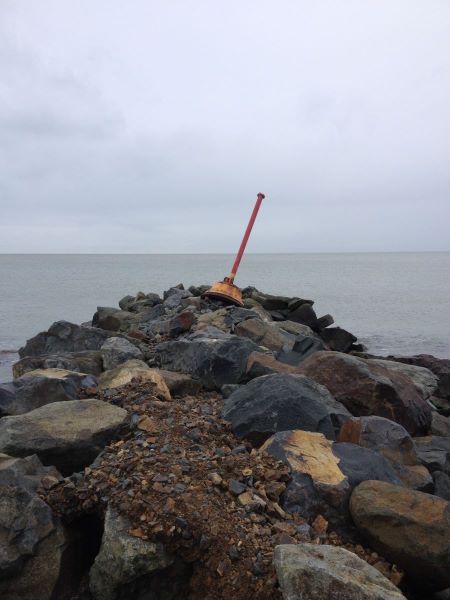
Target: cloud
<point>152,128</point>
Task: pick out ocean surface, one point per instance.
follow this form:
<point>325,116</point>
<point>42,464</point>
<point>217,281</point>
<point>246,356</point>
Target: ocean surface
<point>395,303</point>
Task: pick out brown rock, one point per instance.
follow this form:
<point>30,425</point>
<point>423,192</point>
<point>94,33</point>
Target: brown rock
<point>407,527</point>
<point>369,389</point>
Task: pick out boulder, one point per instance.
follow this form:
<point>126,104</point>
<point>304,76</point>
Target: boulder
<point>280,402</point>
<point>324,472</point>
<point>259,364</point>
<point>317,479</point>
<point>407,527</point>
<point>434,452</point>
<point>139,303</point>
<point>270,302</point>
<point>40,387</point>
<point>179,384</point>
<point>441,485</point>
<point>312,572</point>
<point>369,389</point>
<point>361,464</point>
<point>63,336</point>
<point>302,347</point>
<point>172,327</point>
<point>123,560</point>
<point>338,339</point>
<point>116,351</point>
<point>306,315</point>
<point>131,369</point>
<point>440,425</point>
<point>296,329</point>
<point>67,434</point>
<point>114,319</point>
<point>262,333</point>
<point>439,366</point>
<point>325,321</point>
<point>424,380</point>
<point>214,361</point>
<point>174,296</point>
<point>380,434</point>
<point>32,540</point>
<point>86,361</point>
<point>225,318</point>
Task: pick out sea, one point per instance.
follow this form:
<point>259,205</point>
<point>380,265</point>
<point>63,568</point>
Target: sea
<point>395,303</point>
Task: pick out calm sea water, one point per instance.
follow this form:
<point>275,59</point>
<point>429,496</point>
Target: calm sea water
<point>395,303</point>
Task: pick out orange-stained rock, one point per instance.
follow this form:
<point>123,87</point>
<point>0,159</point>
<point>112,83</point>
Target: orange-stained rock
<point>407,527</point>
<point>366,389</point>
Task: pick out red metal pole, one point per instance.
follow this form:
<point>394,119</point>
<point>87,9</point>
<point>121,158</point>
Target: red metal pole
<point>246,236</point>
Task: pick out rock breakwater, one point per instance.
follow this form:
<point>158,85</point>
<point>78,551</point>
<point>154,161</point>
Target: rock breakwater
<point>175,447</point>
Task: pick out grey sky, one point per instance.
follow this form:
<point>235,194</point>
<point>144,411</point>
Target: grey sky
<point>149,126</point>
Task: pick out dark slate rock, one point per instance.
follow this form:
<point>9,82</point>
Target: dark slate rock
<point>338,339</point>
<point>434,452</point>
<point>360,464</point>
<point>63,336</point>
<point>31,539</point>
<point>306,315</point>
<point>441,485</point>
<point>303,347</point>
<point>37,388</point>
<point>214,361</point>
<point>325,321</point>
<point>280,402</point>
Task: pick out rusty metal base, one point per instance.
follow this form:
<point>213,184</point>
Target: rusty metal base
<point>227,291</point>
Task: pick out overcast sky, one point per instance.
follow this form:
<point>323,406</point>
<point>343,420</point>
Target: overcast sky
<point>149,126</point>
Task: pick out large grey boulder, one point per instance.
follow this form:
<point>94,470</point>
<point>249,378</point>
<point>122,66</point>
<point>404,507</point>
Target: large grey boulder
<point>63,336</point>
<point>280,402</point>
<point>85,361</point>
<point>123,560</point>
<point>215,360</point>
<point>68,434</point>
<point>424,380</point>
<point>370,389</point>
<point>311,572</point>
<point>40,387</point>
<point>118,350</point>
<point>32,540</point>
<point>407,527</point>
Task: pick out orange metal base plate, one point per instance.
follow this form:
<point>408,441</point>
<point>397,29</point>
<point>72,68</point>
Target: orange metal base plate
<point>226,291</point>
